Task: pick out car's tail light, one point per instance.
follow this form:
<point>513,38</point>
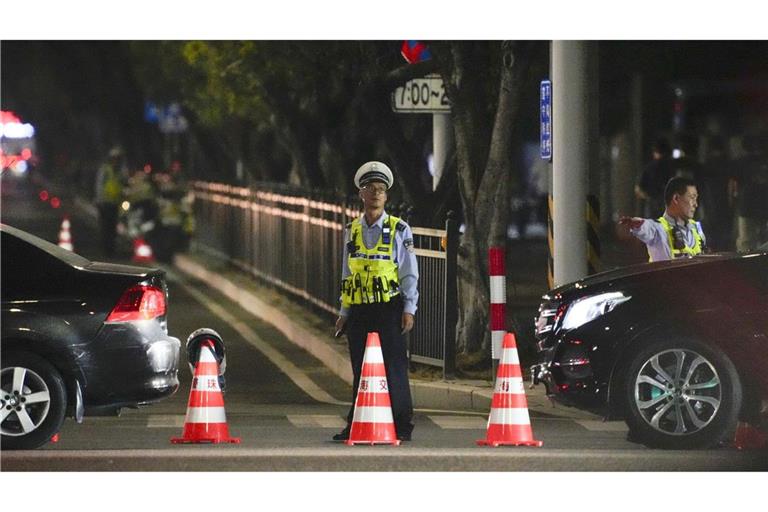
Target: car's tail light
<point>140,302</point>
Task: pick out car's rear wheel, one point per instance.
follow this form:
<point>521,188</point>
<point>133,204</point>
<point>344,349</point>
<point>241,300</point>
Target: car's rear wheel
<point>681,394</point>
<point>33,399</point>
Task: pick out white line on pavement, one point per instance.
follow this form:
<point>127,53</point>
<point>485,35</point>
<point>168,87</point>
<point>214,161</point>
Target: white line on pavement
<point>603,426</point>
<point>316,421</point>
<point>459,422</point>
<point>165,421</point>
<point>287,367</point>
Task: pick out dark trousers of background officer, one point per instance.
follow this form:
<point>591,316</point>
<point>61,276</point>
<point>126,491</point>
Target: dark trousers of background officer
<point>108,214</point>
<point>386,319</point>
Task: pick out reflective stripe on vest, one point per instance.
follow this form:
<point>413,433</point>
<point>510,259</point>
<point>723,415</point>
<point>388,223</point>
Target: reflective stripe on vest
<point>373,275</point>
<point>686,251</point>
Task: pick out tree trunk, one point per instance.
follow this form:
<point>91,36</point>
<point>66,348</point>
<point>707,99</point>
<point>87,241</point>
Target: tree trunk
<point>484,149</point>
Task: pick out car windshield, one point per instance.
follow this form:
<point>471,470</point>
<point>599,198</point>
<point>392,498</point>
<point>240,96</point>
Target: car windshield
<point>68,257</point>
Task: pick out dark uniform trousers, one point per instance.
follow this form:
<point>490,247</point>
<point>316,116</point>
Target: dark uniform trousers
<point>384,318</point>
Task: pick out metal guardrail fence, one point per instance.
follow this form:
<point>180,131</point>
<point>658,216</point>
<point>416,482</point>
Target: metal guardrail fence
<point>295,243</point>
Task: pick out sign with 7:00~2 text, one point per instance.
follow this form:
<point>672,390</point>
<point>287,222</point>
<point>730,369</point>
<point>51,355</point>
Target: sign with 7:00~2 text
<point>421,95</point>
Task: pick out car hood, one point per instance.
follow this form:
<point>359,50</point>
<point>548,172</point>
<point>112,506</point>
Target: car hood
<point>639,270</point>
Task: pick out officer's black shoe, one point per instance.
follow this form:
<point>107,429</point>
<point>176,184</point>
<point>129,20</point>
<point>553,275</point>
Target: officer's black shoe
<point>343,435</point>
<point>404,436</point>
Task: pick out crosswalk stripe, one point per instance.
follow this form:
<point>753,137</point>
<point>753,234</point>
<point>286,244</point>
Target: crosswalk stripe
<point>457,422</point>
<point>335,421</point>
<point>603,426</point>
<point>316,421</point>
<point>165,421</point>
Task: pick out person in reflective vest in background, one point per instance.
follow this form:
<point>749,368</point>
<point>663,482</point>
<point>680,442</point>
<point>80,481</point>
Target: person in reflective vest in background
<point>675,234</point>
<point>108,194</point>
<point>379,292</point>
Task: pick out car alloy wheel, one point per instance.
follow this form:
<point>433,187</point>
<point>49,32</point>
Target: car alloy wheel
<point>33,398</point>
<point>678,392</point>
<point>25,400</point>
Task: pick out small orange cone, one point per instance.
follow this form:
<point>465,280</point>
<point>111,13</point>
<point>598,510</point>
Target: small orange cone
<point>509,423</point>
<point>65,237</point>
<point>206,421</point>
<point>749,437</point>
<point>142,251</point>
<point>372,422</point>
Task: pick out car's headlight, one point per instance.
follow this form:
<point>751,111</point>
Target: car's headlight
<point>587,309</point>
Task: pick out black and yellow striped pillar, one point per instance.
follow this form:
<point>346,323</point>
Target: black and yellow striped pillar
<point>550,244</point>
<point>593,238</point>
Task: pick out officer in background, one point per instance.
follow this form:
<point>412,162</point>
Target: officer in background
<point>108,195</point>
<point>650,189</point>
<point>379,292</point>
<point>675,234</point>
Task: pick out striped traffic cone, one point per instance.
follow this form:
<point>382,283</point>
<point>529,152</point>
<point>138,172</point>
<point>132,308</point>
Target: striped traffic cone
<point>206,421</point>
<point>65,237</point>
<point>142,251</point>
<point>749,437</point>
<point>509,423</point>
<point>372,422</point>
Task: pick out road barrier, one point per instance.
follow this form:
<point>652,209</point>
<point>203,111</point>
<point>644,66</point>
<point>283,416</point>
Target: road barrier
<point>293,240</point>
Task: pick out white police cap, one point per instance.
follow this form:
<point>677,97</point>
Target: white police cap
<point>374,171</point>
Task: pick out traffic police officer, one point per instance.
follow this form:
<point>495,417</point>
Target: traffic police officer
<point>108,194</point>
<point>379,292</point>
<point>675,234</point>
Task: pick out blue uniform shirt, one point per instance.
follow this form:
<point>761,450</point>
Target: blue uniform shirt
<point>402,252</point>
<point>655,237</point>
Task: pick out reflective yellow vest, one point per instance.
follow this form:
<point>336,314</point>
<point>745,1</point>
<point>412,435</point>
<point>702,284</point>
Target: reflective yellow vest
<point>373,275</point>
<point>685,251</point>
<point>112,188</point>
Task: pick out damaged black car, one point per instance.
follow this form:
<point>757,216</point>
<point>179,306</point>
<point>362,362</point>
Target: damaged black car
<point>678,349</point>
<point>78,338</point>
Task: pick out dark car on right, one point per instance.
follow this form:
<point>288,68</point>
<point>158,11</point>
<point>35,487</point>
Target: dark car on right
<point>678,349</point>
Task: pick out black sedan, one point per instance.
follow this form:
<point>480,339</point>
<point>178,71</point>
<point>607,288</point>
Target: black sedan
<point>78,338</point>
<point>678,349</point>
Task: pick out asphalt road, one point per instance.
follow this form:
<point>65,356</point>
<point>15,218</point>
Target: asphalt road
<point>285,405</point>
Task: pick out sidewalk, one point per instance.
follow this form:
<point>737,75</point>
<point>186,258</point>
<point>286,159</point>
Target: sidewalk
<point>314,334</point>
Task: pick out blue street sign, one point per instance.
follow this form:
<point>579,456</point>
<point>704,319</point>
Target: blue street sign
<point>151,112</point>
<point>546,119</point>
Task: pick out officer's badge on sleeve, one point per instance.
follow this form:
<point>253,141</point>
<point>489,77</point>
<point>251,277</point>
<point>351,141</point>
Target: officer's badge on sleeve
<point>409,245</point>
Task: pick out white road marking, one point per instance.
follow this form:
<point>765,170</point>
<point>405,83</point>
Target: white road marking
<point>603,426</point>
<point>459,422</point>
<point>165,421</point>
<point>287,367</point>
<point>316,421</point>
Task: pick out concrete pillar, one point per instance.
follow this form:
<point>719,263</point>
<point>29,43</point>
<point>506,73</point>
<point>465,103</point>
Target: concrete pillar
<point>571,100</point>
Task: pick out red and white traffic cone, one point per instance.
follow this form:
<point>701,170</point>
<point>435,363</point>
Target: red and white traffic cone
<point>206,421</point>
<point>142,251</point>
<point>372,421</point>
<point>749,437</point>
<point>65,237</point>
<point>509,423</point>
